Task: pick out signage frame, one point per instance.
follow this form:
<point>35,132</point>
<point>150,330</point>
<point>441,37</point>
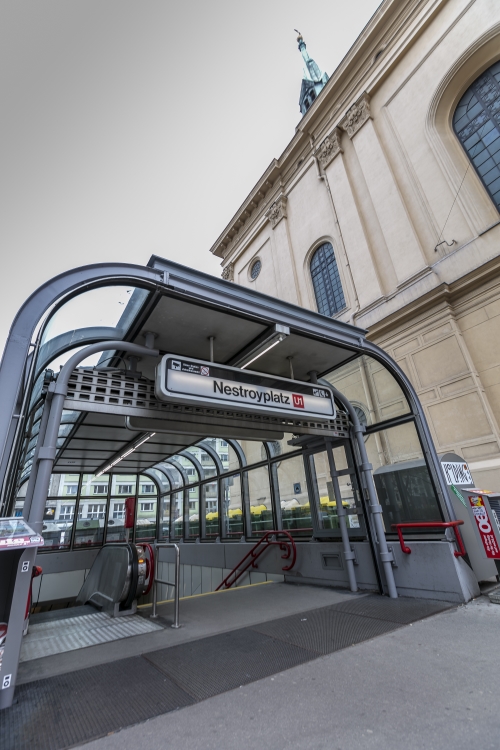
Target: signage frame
<point>298,391</point>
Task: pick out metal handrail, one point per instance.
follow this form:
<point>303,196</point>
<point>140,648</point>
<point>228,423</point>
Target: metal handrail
<point>461,552</point>
<point>176,583</point>
<point>269,538</point>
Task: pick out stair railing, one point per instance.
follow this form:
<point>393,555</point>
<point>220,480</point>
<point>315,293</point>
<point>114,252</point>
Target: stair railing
<point>269,539</point>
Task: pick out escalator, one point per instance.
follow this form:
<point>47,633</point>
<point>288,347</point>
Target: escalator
<point>106,607</point>
<point>121,573</point>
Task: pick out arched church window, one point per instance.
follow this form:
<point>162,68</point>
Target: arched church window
<point>477,124</point>
<point>326,281</point>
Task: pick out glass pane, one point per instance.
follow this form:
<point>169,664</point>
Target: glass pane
<point>89,530</point>
<point>145,525</point>
<point>95,486</point>
<point>194,512</point>
<point>162,479</point>
<point>260,500</point>
<point>253,450</point>
<point>232,508</point>
<point>233,461</point>
<point>371,389</point>
<point>222,449</point>
<point>116,531</point>
<point>404,486</point>
<point>212,515</point>
<point>294,497</point>
<point>189,469</point>
<point>146,486</point>
<point>123,484</point>
<point>165,517</point>
<point>278,447</point>
<point>63,485</point>
<point>349,490</point>
<point>173,475</point>
<point>205,459</point>
<point>178,514</point>
<point>58,521</point>
<point>109,307</point>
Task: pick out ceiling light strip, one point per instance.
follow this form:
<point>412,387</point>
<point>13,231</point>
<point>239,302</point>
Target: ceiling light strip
<point>124,455</point>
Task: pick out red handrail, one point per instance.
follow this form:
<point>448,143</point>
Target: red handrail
<point>266,541</point>
<point>461,552</point>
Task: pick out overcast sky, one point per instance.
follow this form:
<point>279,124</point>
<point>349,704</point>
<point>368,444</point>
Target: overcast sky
<point>132,127</point>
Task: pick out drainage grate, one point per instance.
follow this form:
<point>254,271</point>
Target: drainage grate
<point>70,709</point>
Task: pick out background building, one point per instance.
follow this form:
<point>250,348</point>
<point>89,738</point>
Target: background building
<point>383,211</point>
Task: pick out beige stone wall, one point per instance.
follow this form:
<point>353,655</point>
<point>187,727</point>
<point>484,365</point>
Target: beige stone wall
<point>451,355</point>
<point>375,169</point>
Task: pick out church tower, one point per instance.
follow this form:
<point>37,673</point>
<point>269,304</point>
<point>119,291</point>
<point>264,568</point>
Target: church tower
<point>313,80</point>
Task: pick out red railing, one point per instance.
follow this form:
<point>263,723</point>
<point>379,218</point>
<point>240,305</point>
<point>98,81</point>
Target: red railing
<point>249,561</point>
<point>461,552</point>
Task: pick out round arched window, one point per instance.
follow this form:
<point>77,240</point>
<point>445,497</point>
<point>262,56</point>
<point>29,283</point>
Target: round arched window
<point>255,269</point>
<point>477,124</point>
<point>326,281</point>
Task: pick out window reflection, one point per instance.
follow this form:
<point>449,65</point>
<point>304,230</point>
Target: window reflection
<point>232,508</point>
<point>402,478</point>
<point>261,512</point>
<point>294,497</point>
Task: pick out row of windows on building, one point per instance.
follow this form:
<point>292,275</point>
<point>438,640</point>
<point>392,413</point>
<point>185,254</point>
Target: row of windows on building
<point>476,123</point>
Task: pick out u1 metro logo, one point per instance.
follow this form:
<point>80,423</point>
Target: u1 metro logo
<point>298,400</point>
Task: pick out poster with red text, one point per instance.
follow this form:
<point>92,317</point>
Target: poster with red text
<point>484,527</point>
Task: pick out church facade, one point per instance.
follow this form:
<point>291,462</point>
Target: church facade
<point>383,211</point>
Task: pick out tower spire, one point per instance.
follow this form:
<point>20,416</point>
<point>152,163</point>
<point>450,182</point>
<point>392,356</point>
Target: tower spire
<point>313,79</point>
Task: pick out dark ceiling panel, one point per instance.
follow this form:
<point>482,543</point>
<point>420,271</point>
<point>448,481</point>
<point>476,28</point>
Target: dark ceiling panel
<point>184,328</point>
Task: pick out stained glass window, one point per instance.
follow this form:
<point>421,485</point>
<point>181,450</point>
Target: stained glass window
<point>326,281</point>
<point>477,124</point>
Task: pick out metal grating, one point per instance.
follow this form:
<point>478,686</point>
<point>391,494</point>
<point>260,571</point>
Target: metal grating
<point>114,392</point>
<point>68,710</point>
<point>71,633</point>
<point>89,703</point>
<point>325,630</point>
<point>401,610</point>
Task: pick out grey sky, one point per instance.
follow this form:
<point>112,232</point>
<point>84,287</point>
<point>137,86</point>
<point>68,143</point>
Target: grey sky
<point>138,127</point>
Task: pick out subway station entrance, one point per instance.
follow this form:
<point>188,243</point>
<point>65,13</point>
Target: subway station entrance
<point>144,416</point>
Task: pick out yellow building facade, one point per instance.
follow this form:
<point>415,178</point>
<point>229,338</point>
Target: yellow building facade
<point>383,211</point>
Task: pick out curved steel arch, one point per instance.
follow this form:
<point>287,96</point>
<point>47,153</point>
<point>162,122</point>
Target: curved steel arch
<point>15,355</point>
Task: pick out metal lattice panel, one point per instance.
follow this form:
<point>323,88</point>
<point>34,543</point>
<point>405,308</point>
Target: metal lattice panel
<point>116,392</point>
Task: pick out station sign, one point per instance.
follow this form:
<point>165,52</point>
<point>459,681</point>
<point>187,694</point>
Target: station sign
<point>191,381</point>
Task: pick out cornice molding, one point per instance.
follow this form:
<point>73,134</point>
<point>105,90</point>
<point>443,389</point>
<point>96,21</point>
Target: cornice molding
<point>277,211</point>
<point>356,116</point>
<point>329,148</point>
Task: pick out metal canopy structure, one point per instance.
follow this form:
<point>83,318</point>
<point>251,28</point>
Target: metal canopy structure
<point>188,313</point>
<point>80,411</point>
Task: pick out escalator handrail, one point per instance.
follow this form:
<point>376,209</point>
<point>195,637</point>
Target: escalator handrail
<point>151,551</point>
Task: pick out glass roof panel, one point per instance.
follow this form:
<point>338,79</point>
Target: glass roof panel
<point>102,307</point>
<point>97,314</point>
<point>371,388</point>
<point>173,474</point>
<point>161,478</point>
